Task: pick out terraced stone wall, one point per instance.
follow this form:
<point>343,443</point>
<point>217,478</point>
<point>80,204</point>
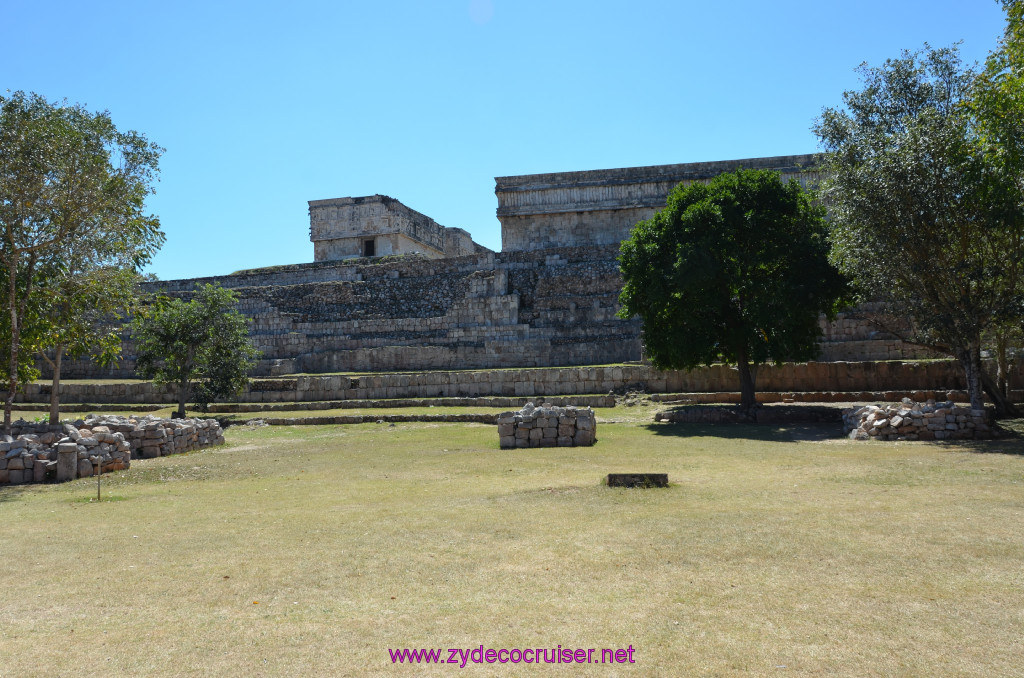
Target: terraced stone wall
<point>538,308</point>
<point>480,311</point>
<point>943,375</point>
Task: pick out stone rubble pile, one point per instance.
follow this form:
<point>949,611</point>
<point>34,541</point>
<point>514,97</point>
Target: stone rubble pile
<point>151,437</point>
<point>909,420</point>
<point>37,453</point>
<point>547,426</point>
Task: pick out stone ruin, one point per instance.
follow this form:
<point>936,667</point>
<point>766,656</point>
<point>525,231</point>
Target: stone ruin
<point>548,298</point>
<point>377,225</point>
<point>39,453</point>
<point>547,426</point>
<point>909,420</point>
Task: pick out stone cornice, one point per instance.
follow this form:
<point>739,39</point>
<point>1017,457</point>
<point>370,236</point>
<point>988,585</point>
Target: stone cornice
<point>622,188</point>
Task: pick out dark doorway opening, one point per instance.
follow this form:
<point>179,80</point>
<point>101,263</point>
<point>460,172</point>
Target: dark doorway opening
<point>369,248</point>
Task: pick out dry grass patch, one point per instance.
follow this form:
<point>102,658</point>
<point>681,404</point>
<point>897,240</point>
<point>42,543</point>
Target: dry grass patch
<point>312,550</point>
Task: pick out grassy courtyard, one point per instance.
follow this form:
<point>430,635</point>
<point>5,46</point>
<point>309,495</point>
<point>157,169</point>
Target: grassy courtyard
<point>313,550</point>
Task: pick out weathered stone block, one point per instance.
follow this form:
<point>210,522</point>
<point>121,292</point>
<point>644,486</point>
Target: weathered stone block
<point>149,452</point>
<point>584,437</point>
<point>643,480</point>
<point>84,468</point>
<point>67,462</point>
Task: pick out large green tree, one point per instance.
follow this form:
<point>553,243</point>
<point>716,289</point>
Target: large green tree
<point>997,108</point>
<point>926,203</point>
<point>67,176</point>
<point>200,346</point>
<point>735,270</point>
<point>80,311</point>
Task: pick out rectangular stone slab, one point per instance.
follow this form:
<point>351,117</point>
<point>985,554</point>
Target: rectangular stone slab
<point>637,480</point>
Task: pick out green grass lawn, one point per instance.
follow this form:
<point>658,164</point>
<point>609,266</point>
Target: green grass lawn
<point>312,550</point>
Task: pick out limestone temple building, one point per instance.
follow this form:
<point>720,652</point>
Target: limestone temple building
<point>548,298</point>
<point>344,228</point>
<point>600,207</point>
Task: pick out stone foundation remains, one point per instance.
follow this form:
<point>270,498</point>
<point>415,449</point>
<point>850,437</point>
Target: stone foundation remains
<point>39,453</point>
<point>915,421</point>
<point>547,426</point>
<point>775,414</point>
<point>857,378</point>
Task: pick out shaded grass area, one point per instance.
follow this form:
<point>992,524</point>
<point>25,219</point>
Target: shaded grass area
<point>312,550</point>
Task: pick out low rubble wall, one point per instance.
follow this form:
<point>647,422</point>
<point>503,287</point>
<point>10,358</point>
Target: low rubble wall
<point>908,420</point>
<point>38,453</point>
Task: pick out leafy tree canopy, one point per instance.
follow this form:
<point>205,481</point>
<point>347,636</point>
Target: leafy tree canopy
<point>70,181</point>
<point>925,199</point>
<point>734,270</point>
<point>200,346</point>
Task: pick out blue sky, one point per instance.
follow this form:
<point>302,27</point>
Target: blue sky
<point>263,106</point>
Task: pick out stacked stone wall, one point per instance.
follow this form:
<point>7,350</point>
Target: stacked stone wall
<point>547,426</point>
<point>939,375</point>
<point>908,420</point>
<point>39,453</point>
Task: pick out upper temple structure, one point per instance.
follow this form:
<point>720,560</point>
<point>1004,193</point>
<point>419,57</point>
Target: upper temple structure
<point>600,207</point>
<point>536,211</point>
<point>548,298</point>
<point>376,226</point>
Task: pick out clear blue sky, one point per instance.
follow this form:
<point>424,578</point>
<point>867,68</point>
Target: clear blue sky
<point>265,105</point>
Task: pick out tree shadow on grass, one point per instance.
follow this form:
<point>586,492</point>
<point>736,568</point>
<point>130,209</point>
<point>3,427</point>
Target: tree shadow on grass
<point>784,433</point>
<point>1012,441</point>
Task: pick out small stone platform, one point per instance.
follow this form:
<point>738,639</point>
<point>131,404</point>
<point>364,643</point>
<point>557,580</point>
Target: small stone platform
<point>547,426</point>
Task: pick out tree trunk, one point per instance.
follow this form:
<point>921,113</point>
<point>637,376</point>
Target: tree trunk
<point>55,386</point>
<point>12,382</point>
<point>182,397</point>
<point>970,359</point>
<point>1002,366</point>
<point>1004,406</point>
<point>747,377</point>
